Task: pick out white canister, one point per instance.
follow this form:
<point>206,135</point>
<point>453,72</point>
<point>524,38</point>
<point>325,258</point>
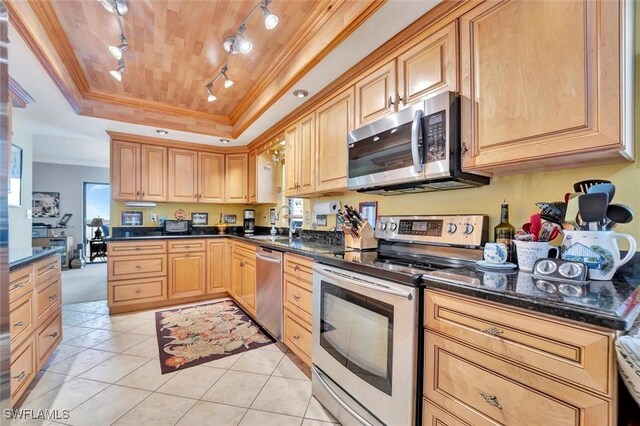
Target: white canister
<point>530,251</point>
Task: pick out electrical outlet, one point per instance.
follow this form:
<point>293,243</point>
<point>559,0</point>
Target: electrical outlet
<point>29,214</point>
<point>154,217</point>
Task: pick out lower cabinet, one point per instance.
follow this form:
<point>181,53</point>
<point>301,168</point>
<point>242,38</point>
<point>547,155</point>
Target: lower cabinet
<point>217,266</point>
<point>297,302</point>
<point>23,368</point>
<point>187,275</point>
<point>243,276</point>
<point>138,291</point>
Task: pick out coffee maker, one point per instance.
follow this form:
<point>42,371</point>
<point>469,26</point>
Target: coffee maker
<point>249,222</point>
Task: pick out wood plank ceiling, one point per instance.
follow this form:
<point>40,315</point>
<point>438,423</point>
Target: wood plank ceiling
<point>175,48</point>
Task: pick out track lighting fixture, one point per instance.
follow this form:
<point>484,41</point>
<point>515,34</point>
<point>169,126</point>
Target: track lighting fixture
<point>117,73</point>
<point>239,43</point>
<point>115,6</point>
<point>270,20</point>
<point>118,51</point>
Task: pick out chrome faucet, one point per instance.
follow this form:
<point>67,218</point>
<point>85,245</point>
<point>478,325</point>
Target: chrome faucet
<point>290,213</point>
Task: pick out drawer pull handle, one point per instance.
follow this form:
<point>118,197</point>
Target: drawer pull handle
<point>296,337</point>
<point>138,248</point>
<point>20,376</point>
<point>18,285</point>
<point>52,267</point>
<point>492,331</point>
<point>296,267</point>
<point>54,334</point>
<point>138,291</point>
<point>138,267</point>
<point>296,297</point>
<point>53,297</point>
<point>19,324</point>
<point>491,400</point>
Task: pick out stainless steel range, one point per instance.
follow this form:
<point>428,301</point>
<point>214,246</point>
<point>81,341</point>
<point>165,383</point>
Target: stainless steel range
<point>367,316</point>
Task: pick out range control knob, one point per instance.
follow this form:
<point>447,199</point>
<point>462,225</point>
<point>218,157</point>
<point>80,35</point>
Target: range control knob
<point>468,229</point>
<point>452,228</point>
<point>382,226</point>
<point>394,226</point>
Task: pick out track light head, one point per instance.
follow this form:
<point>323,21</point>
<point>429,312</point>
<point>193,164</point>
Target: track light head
<point>117,73</point>
<point>270,20</point>
<point>115,6</point>
<point>242,45</point>
<point>118,51</point>
<point>211,97</point>
<point>227,81</point>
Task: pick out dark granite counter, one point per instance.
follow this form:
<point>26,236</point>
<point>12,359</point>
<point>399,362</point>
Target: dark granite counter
<point>25,257</point>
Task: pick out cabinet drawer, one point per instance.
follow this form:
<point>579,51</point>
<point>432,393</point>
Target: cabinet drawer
<point>138,291</point>
<point>468,382</point>
<point>297,297</point>
<point>576,354</point>
<point>137,267</point>
<point>23,368</point>
<point>20,282</point>
<point>432,415</point>
<point>49,335</point>
<point>136,248</point>
<point>21,319</point>
<point>297,336</point>
<point>300,267</point>
<point>47,269</point>
<point>187,246</point>
<point>246,249</point>
<point>47,300</point>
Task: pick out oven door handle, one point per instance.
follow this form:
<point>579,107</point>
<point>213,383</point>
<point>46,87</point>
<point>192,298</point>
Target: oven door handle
<point>415,134</point>
<point>364,284</point>
<point>337,398</point>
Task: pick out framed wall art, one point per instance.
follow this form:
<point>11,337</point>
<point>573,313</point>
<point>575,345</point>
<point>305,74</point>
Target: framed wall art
<point>14,194</point>
<point>369,212</point>
<point>131,218</point>
<point>199,219</point>
<point>46,204</point>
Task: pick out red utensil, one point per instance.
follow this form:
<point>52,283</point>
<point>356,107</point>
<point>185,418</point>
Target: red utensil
<point>536,225</point>
<point>527,227</point>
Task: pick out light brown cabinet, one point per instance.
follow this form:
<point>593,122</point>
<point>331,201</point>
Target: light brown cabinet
<point>253,177</point>
<point>298,298</point>
<point>535,92</point>
<point>211,178</point>
<point>243,275</point>
<point>138,172</point>
<point>237,185</point>
<point>187,269</point>
<point>183,176</point>
<point>334,120</point>
<point>217,266</point>
<point>301,153</point>
<point>375,94</point>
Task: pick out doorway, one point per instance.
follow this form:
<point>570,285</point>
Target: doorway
<point>97,197</point>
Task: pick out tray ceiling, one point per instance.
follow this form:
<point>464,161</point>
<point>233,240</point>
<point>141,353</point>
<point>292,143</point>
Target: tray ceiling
<point>175,48</point>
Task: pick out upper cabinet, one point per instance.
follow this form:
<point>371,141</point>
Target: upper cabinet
<point>301,162</point>
<point>252,176</point>
<point>264,174</point>
<point>138,172</point>
<point>211,177</point>
<point>237,178</point>
<point>543,84</point>
<point>428,67</point>
<point>334,119</point>
<point>183,175</point>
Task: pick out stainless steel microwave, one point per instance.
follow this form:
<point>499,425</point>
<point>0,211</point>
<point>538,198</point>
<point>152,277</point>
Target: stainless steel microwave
<point>416,149</point>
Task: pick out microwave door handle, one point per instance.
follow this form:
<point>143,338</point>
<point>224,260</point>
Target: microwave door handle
<point>415,134</point>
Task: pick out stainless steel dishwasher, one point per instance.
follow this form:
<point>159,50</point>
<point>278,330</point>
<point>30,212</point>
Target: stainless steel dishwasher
<point>269,290</point>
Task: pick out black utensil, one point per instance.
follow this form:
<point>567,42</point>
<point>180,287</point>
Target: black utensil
<point>593,209</point>
<point>553,212</point>
<point>583,186</point>
<point>618,213</point>
<point>607,188</point>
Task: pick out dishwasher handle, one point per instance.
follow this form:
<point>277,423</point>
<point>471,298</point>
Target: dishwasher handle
<point>268,259</point>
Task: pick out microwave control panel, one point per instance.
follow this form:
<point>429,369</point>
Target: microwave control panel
<point>455,230</point>
<point>436,136</point>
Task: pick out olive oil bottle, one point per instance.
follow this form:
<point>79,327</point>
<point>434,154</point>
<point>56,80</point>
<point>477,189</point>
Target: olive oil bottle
<point>504,231</point>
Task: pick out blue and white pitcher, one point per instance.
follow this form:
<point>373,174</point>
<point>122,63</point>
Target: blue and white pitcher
<point>598,249</point>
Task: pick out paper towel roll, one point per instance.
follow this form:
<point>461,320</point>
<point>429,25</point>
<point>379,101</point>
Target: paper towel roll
<point>330,207</point>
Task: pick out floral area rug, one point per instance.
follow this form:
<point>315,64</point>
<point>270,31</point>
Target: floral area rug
<point>197,334</point>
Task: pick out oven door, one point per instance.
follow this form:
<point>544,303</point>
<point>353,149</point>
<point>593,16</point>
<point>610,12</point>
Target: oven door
<point>388,151</point>
<point>364,341</point>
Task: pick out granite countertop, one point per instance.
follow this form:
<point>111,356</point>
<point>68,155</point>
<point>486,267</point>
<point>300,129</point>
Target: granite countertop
<point>27,255</point>
<point>611,304</point>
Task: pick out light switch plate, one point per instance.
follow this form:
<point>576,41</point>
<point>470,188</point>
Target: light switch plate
<point>29,214</point>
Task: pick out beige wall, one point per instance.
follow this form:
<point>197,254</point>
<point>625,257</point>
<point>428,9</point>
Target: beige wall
<point>169,209</point>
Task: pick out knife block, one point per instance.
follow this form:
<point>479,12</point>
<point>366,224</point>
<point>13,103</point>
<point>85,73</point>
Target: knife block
<point>365,241</point>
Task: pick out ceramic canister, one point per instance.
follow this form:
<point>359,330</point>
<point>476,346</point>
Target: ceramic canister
<point>598,249</point>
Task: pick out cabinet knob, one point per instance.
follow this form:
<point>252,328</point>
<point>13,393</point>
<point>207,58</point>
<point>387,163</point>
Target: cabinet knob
<point>242,264</point>
<point>400,99</point>
<point>296,297</point>
<point>143,193</point>
<point>20,376</point>
<point>491,400</point>
<point>53,297</point>
<point>296,267</point>
<point>463,149</point>
<point>137,192</point>
<point>296,337</point>
<point>138,267</point>
<point>19,324</point>
<point>390,102</point>
<point>138,291</point>
<point>54,334</point>
<point>492,331</point>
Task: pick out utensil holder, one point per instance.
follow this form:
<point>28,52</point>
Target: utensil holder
<point>366,239</point>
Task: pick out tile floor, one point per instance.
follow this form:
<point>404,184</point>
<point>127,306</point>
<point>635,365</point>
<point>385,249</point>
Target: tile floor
<point>106,371</point>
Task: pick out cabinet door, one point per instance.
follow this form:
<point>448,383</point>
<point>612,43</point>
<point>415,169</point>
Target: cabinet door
<point>125,171</point>
<point>334,120</point>
<point>235,286</point>
<point>253,177</point>
<point>153,176</point>
<point>217,268</point>
<point>307,155</point>
<point>183,172</point>
<point>429,67</point>
<point>375,94</point>
<point>236,178</point>
<point>249,284</point>
<point>211,178</point>
<point>535,92</point>
<point>187,274</point>
<point>291,161</point>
